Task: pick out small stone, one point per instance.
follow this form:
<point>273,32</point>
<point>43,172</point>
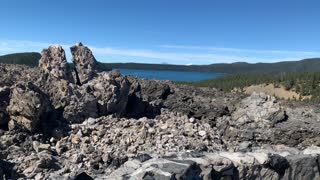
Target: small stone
<point>61,147</point>
<point>53,140</point>
<point>28,170</point>
<point>76,158</point>
<point>43,147</point>
<point>91,121</point>
<point>192,120</point>
<point>38,176</point>
<point>75,140</point>
<point>35,145</point>
<point>95,138</point>
<point>45,160</point>
<point>202,133</point>
<point>151,130</point>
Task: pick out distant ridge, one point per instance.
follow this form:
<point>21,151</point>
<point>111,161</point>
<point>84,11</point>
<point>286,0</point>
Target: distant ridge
<point>31,59</point>
<point>233,68</point>
<point>28,58</point>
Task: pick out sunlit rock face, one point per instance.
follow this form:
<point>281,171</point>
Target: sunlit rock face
<point>84,62</point>
<point>53,61</point>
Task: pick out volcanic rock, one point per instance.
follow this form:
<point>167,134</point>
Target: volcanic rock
<point>111,91</point>
<point>4,102</point>
<point>81,108</point>
<point>84,62</point>
<point>259,108</point>
<point>53,61</point>
<point>28,106</point>
<point>108,126</point>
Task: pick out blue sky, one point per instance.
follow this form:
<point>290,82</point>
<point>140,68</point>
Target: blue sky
<point>166,31</point>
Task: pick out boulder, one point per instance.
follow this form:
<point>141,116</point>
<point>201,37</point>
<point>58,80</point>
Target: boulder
<point>261,109</point>
<point>53,61</point>
<point>111,91</point>
<point>59,91</point>
<point>28,106</point>
<point>84,62</point>
<point>81,108</point>
<point>303,167</point>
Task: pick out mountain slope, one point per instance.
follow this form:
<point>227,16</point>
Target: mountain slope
<point>233,68</point>
<point>30,59</point>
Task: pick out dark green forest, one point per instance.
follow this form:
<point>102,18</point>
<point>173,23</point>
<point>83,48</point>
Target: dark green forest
<point>29,59</point>
<point>304,83</point>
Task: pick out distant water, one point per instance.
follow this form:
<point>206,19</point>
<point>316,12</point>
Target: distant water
<point>170,75</point>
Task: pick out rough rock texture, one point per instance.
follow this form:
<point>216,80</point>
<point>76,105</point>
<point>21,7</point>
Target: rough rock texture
<point>260,109</point>
<point>108,126</point>
<point>81,108</point>
<point>53,61</point>
<point>84,62</point>
<point>4,102</point>
<point>28,106</point>
<point>111,91</point>
<point>200,103</point>
<point>222,165</point>
<point>99,93</point>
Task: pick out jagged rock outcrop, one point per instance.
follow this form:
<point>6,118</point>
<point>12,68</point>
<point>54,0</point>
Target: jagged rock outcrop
<point>111,91</point>
<point>99,94</point>
<point>11,74</point>
<point>59,91</point>
<point>259,109</point>
<point>200,103</point>
<point>260,119</point>
<point>28,106</point>
<point>84,62</point>
<point>53,61</point>
<point>81,108</point>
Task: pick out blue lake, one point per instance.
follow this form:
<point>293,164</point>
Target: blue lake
<point>170,75</point>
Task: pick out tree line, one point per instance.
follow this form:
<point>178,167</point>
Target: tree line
<point>304,83</point>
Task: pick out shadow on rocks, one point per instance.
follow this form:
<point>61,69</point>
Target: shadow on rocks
<point>7,170</point>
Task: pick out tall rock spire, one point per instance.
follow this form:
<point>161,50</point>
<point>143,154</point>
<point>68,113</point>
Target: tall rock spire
<point>84,62</point>
<point>53,61</point>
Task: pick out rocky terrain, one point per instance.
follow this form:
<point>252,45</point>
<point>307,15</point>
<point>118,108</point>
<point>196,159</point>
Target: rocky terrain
<point>63,122</point>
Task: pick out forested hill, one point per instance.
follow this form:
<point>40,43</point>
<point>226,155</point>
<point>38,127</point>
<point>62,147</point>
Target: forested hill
<point>233,68</point>
<point>30,59</point>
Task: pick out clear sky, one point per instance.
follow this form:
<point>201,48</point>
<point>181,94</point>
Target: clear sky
<point>166,31</point>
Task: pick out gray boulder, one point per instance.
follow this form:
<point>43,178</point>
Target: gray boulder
<point>28,106</point>
<point>111,91</point>
<point>303,167</point>
<point>81,108</point>
<point>260,109</point>
<point>84,62</point>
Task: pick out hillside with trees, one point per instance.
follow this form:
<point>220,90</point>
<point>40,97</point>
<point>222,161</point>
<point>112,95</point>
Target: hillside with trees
<point>304,83</point>
<point>233,68</point>
<point>29,59</point>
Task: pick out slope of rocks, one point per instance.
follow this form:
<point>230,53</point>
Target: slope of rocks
<point>59,122</point>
